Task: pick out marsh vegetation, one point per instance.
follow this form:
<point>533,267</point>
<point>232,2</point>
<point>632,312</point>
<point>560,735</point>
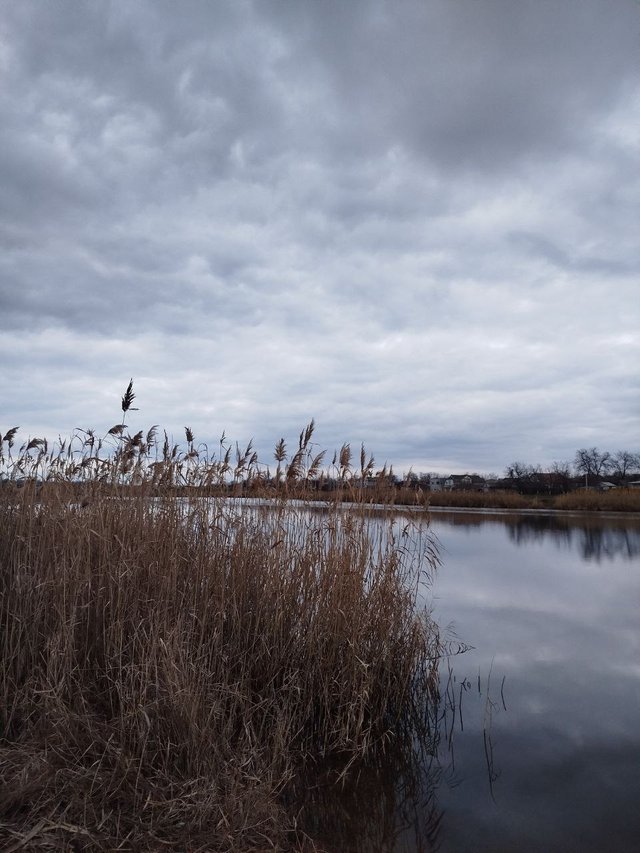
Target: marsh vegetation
<point>171,665</point>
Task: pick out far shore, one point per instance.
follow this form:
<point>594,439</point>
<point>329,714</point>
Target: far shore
<point>535,511</point>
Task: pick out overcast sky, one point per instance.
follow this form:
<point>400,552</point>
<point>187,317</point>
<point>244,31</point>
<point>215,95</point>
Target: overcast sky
<point>415,221</point>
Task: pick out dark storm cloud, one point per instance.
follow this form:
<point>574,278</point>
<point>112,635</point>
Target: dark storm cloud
<point>468,84</point>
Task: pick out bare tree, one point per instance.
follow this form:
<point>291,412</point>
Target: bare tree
<point>562,474</point>
<point>592,462</point>
<point>623,462</point>
<point>528,478</point>
<point>518,471</point>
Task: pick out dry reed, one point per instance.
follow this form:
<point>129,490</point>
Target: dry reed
<point>488,500</point>
<point>169,664</point>
<point>588,500</point>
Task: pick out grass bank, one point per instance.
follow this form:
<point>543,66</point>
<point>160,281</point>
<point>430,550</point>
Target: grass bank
<point>615,500</point>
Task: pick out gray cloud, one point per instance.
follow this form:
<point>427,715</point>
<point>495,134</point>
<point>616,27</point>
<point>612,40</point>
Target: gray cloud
<point>414,222</point>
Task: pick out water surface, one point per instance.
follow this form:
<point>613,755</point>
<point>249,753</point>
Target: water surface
<point>539,748</point>
<point>551,605</point>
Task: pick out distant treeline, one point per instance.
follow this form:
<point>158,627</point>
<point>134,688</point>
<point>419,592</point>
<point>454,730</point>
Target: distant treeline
<point>151,459</point>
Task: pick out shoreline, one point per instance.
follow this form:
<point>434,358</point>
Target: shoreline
<point>458,510</point>
<point>595,513</point>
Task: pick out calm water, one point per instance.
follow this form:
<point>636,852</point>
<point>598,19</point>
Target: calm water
<point>540,741</point>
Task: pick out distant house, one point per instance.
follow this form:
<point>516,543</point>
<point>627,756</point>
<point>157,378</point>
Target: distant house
<point>465,482</point>
<point>436,484</point>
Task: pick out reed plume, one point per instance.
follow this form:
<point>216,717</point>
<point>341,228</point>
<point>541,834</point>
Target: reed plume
<point>171,660</point>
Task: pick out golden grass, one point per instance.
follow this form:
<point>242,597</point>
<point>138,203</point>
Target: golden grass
<point>587,500</point>
<point>615,500</point>
<point>169,664</point>
<point>496,500</point>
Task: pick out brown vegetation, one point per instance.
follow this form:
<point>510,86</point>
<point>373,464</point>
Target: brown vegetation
<point>169,664</point>
<point>588,500</point>
<point>488,500</point>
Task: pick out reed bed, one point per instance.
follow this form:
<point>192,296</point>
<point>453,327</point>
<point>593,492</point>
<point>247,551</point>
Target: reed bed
<point>588,500</point>
<point>488,500</point>
<point>171,664</point>
<point>582,500</point>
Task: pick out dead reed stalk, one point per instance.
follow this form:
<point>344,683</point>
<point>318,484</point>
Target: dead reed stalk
<point>169,664</point>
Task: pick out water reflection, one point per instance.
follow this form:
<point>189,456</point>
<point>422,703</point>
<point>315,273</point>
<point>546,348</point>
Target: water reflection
<point>389,806</point>
<point>536,747</point>
<point>595,538</point>
<point>552,604</point>
<point>392,804</point>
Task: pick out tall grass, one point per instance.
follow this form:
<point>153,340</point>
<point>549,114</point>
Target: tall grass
<point>169,664</point>
<point>587,500</point>
<point>488,500</point>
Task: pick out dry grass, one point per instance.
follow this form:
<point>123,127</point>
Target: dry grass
<point>587,500</point>
<point>169,664</point>
<point>615,500</point>
<point>489,500</point>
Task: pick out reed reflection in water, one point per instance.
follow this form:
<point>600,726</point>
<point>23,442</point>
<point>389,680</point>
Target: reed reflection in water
<point>392,805</point>
<point>550,604</point>
<point>535,745</point>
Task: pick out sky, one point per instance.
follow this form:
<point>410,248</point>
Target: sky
<point>414,221</point>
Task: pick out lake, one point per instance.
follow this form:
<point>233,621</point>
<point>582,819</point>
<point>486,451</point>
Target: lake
<point>539,741</point>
